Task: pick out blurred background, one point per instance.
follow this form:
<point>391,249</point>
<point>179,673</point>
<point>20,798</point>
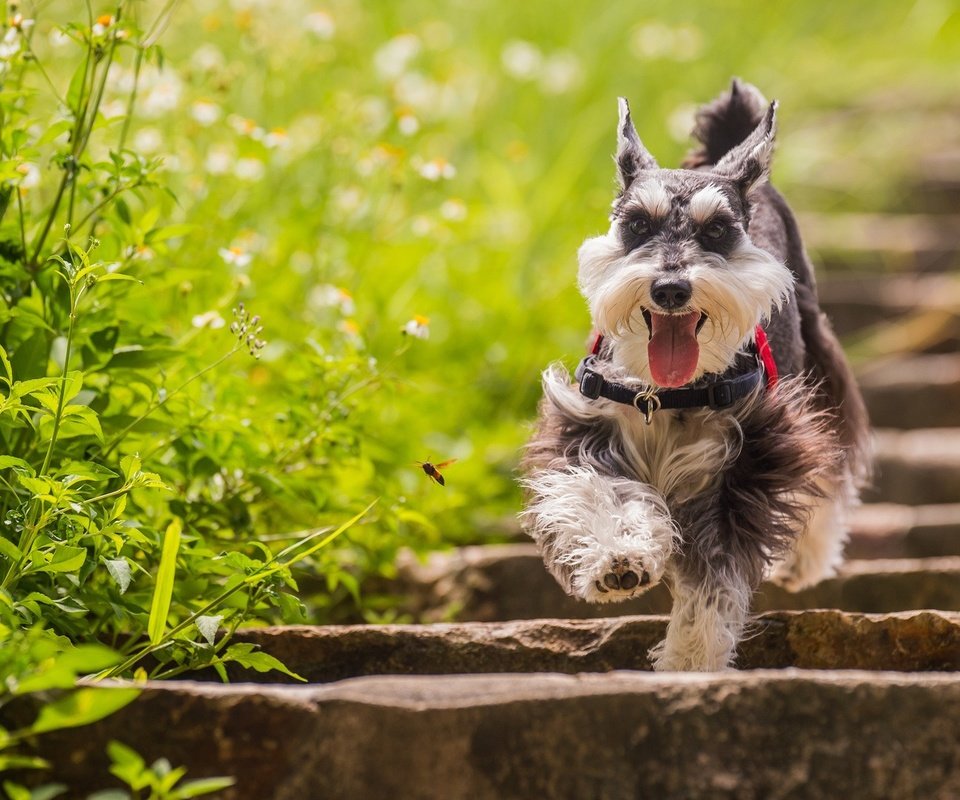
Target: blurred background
<point>398,190</point>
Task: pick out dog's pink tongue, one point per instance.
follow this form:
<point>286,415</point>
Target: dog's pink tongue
<point>673,349</point>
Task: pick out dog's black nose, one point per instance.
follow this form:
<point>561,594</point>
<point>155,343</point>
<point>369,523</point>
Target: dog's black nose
<point>671,294</point>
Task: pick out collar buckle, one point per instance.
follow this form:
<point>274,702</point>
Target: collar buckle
<point>719,395</point>
<point>591,383</point>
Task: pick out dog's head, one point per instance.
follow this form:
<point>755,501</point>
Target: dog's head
<point>676,282</point>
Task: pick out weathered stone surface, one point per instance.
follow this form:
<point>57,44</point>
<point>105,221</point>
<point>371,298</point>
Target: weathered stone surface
<point>890,530</point>
<point>913,392</point>
<point>502,582</point>
<point>623,734</point>
<point>911,641</point>
<point>917,467</point>
<point>878,585</point>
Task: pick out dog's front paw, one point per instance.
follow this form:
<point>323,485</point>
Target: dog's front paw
<point>611,578</point>
<point>621,578</point>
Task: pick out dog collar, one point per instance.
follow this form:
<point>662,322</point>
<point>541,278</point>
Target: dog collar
<point>717,396</point>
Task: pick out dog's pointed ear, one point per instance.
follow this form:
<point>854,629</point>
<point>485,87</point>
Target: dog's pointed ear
<point>632,156</point>
<point>748,164</point>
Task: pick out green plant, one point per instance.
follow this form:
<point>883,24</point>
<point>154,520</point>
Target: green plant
<point>124,524</point>
<point>158,781</point>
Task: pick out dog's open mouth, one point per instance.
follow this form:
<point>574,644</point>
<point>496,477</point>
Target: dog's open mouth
<point>673,350</point>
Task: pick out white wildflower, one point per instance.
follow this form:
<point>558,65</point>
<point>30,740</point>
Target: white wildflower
<point>235,256</point>
<point>320,24</point>
<point>436,169</point>
<point>521,59</point>
<point>209,319</point>
<point>392,58</point>
<point>249,169</point>
<point>205,112</point>
<point>418,327</point>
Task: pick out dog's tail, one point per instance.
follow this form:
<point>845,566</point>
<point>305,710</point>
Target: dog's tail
<point>725,122</point>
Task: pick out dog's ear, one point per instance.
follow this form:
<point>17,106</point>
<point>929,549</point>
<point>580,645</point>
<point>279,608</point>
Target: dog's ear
<point>748,164</point>
<point>632,156</point>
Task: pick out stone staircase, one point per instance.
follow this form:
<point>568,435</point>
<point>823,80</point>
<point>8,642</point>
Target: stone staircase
<point>845,689</point>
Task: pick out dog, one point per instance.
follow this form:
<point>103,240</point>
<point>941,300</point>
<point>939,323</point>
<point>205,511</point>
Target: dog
<point>714,436</point>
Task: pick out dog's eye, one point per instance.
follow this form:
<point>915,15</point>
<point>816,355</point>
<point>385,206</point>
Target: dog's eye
<point>715,230</point>
<point>639,226</point>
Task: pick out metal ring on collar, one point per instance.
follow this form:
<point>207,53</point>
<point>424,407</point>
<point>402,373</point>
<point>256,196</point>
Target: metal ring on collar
<point>652,404</point>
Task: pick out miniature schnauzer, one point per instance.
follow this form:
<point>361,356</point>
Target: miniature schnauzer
<point>714,436</point>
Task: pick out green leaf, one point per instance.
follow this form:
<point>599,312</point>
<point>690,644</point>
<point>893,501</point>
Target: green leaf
<point>200,787</point>
<point>119,569</point>
<point>85,659</point>
<point>29,360</point>
<point>245,655</point>
<point>13,461</point>
<point>168,232</point>
<point>9,550</point>
<point>21,762</point>
<point>15,791</point>
<point>82,707</point>
<point>208,627</point>
<point>65,559</point>
<point>129,465</point>
<point>5,362</point>
<point>163,592</point>
<point>84,469</point>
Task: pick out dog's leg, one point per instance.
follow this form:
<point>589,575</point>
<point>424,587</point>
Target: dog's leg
<point>706,623</point>
<point>819,550</point>
<point>603,538</point>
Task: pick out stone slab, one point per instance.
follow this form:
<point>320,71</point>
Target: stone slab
<point>766,734</point>
<point>503,582</point>
<point>891,530</point>
<point>823,639</point>
<point>917,467</point>
<point>913,392</point>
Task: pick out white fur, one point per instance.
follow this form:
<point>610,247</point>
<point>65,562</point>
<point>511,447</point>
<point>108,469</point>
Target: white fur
<point>707,202</point>
<point>706,624</point>
<point>594,519</point>
<point>819,550</point>
<point>736,294</point>
<point>653,198</point>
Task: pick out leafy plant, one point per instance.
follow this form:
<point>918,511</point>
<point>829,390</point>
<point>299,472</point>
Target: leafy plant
<point>126,528</point>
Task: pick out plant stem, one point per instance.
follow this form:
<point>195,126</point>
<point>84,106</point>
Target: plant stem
<point>75,294</point>
<point>112,444</point>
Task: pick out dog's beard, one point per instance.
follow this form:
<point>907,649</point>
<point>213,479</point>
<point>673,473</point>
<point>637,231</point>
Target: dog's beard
<point>732,294</point>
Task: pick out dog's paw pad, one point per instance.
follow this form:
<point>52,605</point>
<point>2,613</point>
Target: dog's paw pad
<point>622,577</point>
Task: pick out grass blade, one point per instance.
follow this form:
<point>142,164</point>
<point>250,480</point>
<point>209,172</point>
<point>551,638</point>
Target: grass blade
<point>163,592</point>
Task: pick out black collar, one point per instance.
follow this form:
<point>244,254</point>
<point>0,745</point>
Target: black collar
<point>717,395</point>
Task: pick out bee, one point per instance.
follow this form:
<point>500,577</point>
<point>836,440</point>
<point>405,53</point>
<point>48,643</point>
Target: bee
<point>432,471</point>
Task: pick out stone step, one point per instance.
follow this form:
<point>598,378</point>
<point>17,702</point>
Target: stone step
<point>913,391</point>
<point>917,467</point>
<point>506,582</point>
<point>762,734</point>
<point>857,300</point>
<point>822,639</point>
<point>907,242</point>
<point>890,530</point>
